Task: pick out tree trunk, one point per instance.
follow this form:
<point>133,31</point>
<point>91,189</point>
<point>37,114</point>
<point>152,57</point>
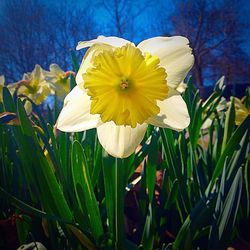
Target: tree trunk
<point>197,72</point>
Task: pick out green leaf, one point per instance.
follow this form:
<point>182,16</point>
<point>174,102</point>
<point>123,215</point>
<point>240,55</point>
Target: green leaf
<point>72,82</point>
<point>229,124</point>
<point>239,156</point>
<point>221,192</point>
<point>199,216</point>
<point>231,146</point>
<point>84,189</point>
<point>129,245</point>
<point>109,184</point>
<point>152,164</point>
<point>30,209</point>
<point>148,232</point>
<point>97,162</point>
<point>221,235</point>
<point>23,225</point>
<point>210,100</point>
<point>119,203</point>
<point>25,122</point>
<point>247,186</point>
<point>172,195</point>
<point>9,104</point>
<point>85,241</point>
<point>219,85</point>
<point>74,61</point>
<point>195,122</point>
<point>174,164</point>
<point>37,169</point>
<point>52,195</point>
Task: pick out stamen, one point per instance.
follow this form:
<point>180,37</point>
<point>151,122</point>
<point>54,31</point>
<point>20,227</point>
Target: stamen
<point>124,84</point>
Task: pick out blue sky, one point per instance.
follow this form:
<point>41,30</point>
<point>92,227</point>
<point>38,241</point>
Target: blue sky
<point>145,21</point>
<point>146,24</point>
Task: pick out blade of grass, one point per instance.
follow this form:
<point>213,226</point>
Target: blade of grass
<point>109,184</point>
<point>229,125</point>
<point>119,204</point>
<point>84,189</point>
<point>232,145</point>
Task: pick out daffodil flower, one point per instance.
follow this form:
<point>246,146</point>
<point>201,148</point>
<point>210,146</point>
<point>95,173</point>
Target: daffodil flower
<point>181,87</point>
<point>121,88</point>
<point>59,79</point>
<point>34,86</point>
<point>2,81</point>
<point>241,111</point>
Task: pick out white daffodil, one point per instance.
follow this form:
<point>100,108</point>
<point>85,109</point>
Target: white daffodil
<point>2,81</point>
<point>121,88</point>
<point>181,87</point>
<point>59,79</point>
<point>34,86</point>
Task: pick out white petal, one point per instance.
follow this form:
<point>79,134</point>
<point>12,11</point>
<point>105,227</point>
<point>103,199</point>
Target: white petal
<point>97,46</point>
<point>207,124</point>
<point>175,56</point>
<point>75,115</point>
<point>36,74</point>
<point>181,87</point>
<point>54,68</point>
<point>173,113</point>
<point>120,141</point>
<point>110,40</point>
<point>86,61</point>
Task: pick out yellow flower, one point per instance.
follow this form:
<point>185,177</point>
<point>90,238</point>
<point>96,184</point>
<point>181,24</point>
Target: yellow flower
<point>121,88</point>
<point>34,86</point>
<point>2,81</point>
<point>59,79</point>
<point>241,111</point>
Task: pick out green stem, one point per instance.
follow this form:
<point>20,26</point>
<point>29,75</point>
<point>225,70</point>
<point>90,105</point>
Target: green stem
<point>119,204</point>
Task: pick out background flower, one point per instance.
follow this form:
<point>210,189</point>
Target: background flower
<point>241,110</point>
<point>35,87</point>
<point>59,80</point>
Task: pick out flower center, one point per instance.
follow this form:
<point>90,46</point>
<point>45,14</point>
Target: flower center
<point>31,87</point>
<point>125,85</point>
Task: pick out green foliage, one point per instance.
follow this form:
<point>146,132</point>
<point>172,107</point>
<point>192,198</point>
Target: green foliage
<point>69,182</point>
